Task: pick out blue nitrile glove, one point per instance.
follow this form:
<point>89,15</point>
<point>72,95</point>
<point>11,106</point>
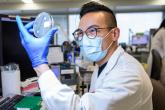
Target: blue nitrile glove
<point>37,48</point>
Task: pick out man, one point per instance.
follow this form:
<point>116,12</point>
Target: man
<point>120,82</point>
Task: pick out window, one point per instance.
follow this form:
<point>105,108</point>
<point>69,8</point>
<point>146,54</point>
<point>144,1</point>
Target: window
<point>132,23</point>
<point>129,23</point>
<point>73,25</point>
<point>62,34</point>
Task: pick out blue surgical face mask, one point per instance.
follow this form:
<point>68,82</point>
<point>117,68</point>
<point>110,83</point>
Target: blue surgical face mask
<point>91,49</point>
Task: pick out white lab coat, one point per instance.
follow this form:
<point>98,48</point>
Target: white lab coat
<point>122,85</point>
<point>157,43</point>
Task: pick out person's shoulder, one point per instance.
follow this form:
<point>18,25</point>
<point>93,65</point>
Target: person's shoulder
<point>128,62</point>
<point>127,58</point>
<point>158,36</point>
<point>160,31</point>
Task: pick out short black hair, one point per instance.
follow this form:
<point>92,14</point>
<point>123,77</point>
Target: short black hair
<point>162,24</point>
<point>95,7</point>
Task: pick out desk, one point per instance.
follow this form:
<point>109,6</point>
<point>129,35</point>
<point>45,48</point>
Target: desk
<point>8,103</point>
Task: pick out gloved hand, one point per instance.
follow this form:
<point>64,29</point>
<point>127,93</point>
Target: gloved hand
<point>37,48</point>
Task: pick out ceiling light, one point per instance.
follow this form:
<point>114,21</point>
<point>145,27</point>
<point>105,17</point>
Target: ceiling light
<point>27,1</point>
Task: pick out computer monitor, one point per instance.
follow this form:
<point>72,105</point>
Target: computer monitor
<point>140,39</point>
<point>55,55</point>
<point>56,70</point>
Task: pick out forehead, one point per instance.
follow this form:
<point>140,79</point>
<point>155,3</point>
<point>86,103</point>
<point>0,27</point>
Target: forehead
<point>94,18</point>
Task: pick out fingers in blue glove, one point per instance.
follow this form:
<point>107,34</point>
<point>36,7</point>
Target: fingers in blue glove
<point>22,40</point>
<point>37,48</point>
<point>21,27</point>
<point>31,31</point>
<point>51,33</point>
<point>29,27</point>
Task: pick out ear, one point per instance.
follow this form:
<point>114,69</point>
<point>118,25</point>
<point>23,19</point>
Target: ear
<point>116,34</point>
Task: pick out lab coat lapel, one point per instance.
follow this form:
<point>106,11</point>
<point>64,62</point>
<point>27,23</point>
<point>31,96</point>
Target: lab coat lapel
<point>110,65</point>
<point>94,80</point>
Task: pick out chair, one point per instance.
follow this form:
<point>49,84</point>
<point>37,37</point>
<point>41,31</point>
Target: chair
<point>158,96</point>
<point>156,65</point>
<point>158,81</point>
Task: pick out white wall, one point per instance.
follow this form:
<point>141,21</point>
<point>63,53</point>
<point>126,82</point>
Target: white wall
<point>62,23</point>
<point>73,25</point>
<point>137,22</point>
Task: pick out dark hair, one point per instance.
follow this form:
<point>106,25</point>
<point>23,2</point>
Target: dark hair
<point>162,25</point>
<point>94,7</point>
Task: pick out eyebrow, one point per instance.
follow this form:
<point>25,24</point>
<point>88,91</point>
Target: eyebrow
<point>93,26</point>
<point>78,29</point>
<point>88,27</point>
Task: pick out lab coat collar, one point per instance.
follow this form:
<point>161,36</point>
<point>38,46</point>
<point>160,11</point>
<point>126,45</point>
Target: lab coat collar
<point>112,61</point>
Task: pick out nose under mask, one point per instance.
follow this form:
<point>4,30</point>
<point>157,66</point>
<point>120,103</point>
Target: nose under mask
<point>91,49</point>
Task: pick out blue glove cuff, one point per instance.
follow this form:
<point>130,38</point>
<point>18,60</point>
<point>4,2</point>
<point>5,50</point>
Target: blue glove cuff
<point>37,62</point>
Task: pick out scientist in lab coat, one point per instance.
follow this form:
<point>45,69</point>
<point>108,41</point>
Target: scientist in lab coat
<point>119,82</point>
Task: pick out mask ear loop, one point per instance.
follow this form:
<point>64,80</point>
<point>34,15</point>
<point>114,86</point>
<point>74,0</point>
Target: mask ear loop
<point>102,41</point>
<point>110,43</point>
<point>109,46</point>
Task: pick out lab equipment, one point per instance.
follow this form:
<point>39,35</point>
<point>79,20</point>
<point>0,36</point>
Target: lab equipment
<point>10,79</point>
<point>42,24</point>
<point>55,54</point>
<point>30,85</point>
<point>68,75</point>
<point>56,70</point>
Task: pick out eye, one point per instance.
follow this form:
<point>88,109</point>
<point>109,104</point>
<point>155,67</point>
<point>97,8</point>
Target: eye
<point>91,30</point>
<point>78,35</point>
